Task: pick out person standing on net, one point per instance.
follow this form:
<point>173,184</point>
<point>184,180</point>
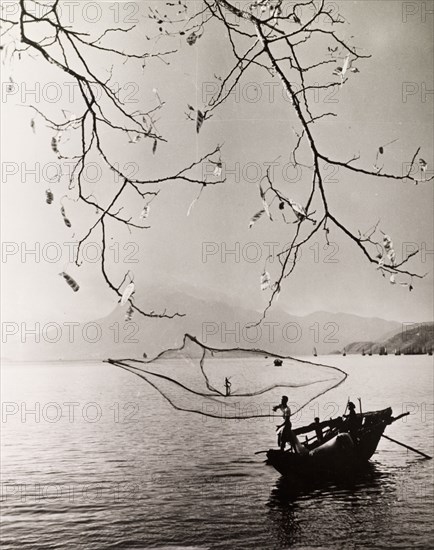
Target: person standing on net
<point>228,387</point>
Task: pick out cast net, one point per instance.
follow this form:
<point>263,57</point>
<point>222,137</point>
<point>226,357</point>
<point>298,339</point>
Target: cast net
<point>232,383</point>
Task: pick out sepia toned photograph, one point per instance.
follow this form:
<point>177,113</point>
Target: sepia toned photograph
<point>217,290</point>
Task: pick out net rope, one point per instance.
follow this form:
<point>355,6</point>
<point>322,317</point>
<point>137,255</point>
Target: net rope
<point>189,378</point>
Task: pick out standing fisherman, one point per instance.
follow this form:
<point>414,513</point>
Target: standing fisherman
<point>228,387</point>
<point>284,433</point>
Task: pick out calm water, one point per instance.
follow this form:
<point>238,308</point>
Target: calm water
<point>105,462</point>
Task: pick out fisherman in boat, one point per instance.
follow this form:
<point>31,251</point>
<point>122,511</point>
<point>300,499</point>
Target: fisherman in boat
<point>283,406</point>
<point>318,430</point>
<point>353,423</point>
<point>284,432</point>
<point>228,387</point>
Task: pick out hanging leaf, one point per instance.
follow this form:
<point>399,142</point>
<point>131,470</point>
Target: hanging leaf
<point>145,212</point>
<point>54,145</point>
<point>154,146</point>
<point>200,117</point>
<point>32,124</point>
<point>392,256</point>
<point>129,289</point>
<point>261,192</point>
<point>265,280</point>
<point>267,210</point>
<point>299,211</point>
<point>196,199</point>
<point>346,63</point>
<point>73,284</point>
<point>387,243</point>
<point>218,170</point>
<point>276,289</point>
<point>264,202</point>
<point>129,313</point>
<point>191,206</point>
<point>49,196</point>
<point>191,38</point>
<point>381,148</point>
<point>256,217</point>
<point>392,279</point>
<point>423,165</point>
<point>389,250</point>
<point>65,219</point>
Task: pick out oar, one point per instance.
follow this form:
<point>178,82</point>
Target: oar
<point>406,446</point>
<point>399,417</point>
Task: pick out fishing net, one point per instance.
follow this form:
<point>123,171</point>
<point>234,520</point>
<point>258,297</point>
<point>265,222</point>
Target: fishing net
<point>232,383</point>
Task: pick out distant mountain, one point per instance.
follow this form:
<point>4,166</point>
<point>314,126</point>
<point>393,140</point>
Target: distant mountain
<point>411,339</point>
<point>210,318</point>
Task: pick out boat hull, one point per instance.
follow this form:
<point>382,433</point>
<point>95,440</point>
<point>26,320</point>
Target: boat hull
<point>340,454</point>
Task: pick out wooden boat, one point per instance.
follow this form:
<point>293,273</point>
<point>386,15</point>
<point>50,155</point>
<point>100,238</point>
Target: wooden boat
<point>339,451</point>
<point>315,353</point>
<point>278,362</point>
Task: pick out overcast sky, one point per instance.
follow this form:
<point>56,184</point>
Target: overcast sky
<point>180,250</point>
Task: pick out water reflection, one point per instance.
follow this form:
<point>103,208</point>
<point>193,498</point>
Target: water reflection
<point>291,489</point>
<point>305,511</point>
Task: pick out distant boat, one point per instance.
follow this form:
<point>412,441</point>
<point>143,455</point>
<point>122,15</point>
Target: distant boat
<point>315,354</point>
<point>363,352</point>
<point>370,352</point>
<point>397,352</point>
<point>344,353</point>
<point>430,352</point>
<point>385,351</point>
<point>278,362</point>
